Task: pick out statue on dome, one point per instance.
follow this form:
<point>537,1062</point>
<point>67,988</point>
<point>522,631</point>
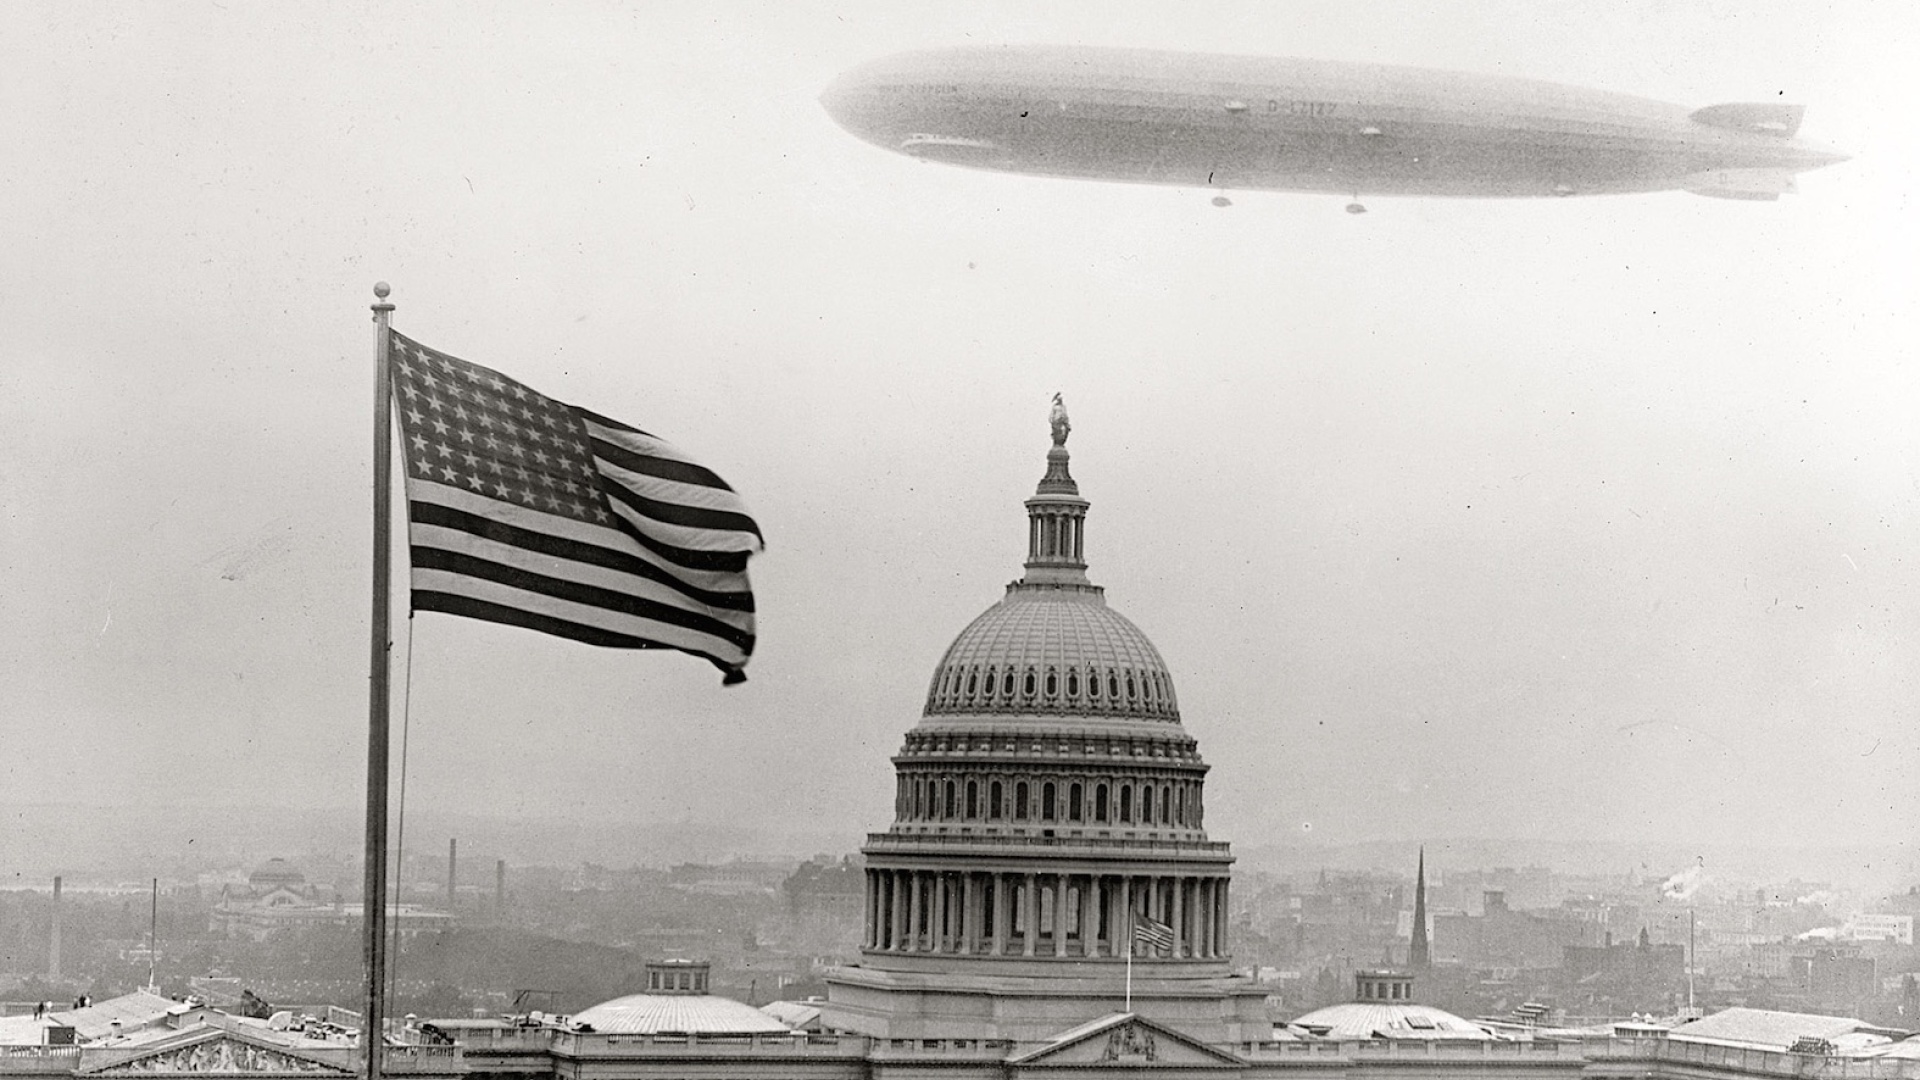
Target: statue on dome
<point>1058,419</point>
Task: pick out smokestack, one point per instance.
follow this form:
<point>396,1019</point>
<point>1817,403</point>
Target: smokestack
<point>53,947</point>
<point>453,869</point>
<point>500,887</point>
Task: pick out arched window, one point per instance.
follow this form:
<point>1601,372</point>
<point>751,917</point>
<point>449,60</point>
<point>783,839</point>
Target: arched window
<point>1074,808</point>
<point>1006,683</point>
<point>1046,801</point>
<point>1100,803</point>
<point>1093,684</point>
<point>990,684</point>
<point>1166,805</point>
<point>1180,805</point>
<point>1030,686</point>
<point>1146,804</point>
<point>1130,687</point>
<point>1073,683</point>
<point>1053,683</point>
<point>1126,804</point>
<point>973,683</point>
<point>1113,686</point>
<point>993,800</point>
<point>953,801</point>
<point>973,801</point>
<point>1020,801</point>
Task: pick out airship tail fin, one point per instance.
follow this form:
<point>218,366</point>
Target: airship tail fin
<point>1764,118</point>
<point>1763,185</point>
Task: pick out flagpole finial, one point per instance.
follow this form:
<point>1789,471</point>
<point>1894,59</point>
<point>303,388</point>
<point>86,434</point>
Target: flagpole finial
<point>381,290</point>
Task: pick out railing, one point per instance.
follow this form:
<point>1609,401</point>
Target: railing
<point>421,1059</point>
<point>595,1044</point>
<point>1751,1060</point>
<point>901,841</point>
<point>505,1040</point>
<point>1451,1049</point>
<point>983,1049</point>
<point>38,1059</point>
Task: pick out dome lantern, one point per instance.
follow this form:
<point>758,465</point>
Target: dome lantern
<point>1056,517</point>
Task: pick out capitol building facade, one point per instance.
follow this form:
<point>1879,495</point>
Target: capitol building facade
<point>1048,859</point>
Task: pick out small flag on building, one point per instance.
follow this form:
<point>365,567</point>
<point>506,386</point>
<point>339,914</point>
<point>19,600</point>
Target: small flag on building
<point>1155,935</point>
<point>527,511</point>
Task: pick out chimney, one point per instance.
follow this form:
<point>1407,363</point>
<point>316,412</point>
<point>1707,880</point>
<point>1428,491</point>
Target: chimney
<point>53,946</point>
<point>500,886</point>
<point>453,869</point>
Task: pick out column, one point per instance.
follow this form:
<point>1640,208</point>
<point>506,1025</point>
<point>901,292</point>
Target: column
<point>1205,934</point>
<point>1060,915</point>
<point>873,907</point>
<point>1220,906</point>
<point>1030,912</point>
<point>1179,921</point>
<point>999,886</point>
<point>968,914</point>
<point>916,901</point>
<point>942,909</point>
<point>1089,921</point>
<point>890,930</point>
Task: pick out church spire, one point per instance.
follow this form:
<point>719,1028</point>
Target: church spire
<point>1419,955</point>
<point>1056,517</point>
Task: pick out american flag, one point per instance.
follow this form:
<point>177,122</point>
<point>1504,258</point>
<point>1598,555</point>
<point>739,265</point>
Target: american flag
<point>532,512</point>
<point>1155,935</point>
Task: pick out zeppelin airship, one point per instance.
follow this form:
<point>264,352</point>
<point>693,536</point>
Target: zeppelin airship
<point>1277,124</point>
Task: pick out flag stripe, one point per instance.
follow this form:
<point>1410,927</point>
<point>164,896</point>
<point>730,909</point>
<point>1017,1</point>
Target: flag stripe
<point>608,421</point>
<point>678,492</point>
<point>437,526</point>
<point>609,445</point>
<point>557,596</point>
<point>588,618</point>
<point>717,570</point>
<point>689,526</point>
<point>686,561</point>
<point>472,608</point>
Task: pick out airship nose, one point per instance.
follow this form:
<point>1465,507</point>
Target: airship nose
<point>845,99</point>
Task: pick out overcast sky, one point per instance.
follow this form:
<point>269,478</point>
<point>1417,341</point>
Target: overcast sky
<point>1573,518</point>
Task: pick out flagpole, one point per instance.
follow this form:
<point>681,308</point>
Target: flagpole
<point>1130,947</point>
<point>374,892</point>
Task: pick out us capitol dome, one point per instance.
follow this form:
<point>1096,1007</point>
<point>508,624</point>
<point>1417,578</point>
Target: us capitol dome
<point>1048,858</point>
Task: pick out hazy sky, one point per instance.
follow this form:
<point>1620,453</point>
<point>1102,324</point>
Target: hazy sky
<point>1572,518</point>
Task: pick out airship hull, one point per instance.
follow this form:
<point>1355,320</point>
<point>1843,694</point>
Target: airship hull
<point>1257,123</point>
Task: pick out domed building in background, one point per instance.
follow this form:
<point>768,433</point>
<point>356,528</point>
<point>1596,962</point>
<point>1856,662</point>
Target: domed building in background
<point>1048,862</point>
<point>1383,1007</point>
<point>676,1002</point>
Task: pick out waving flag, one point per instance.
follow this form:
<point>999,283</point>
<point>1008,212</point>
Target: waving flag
<point>1154,935</point>
<point>532,512</point>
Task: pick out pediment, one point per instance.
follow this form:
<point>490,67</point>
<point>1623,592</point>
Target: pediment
<point>219,1053</point>
<point>1126,1041</point>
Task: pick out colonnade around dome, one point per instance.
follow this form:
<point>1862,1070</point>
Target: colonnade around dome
<point>1047,799</point>
<point>1037,914</point>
